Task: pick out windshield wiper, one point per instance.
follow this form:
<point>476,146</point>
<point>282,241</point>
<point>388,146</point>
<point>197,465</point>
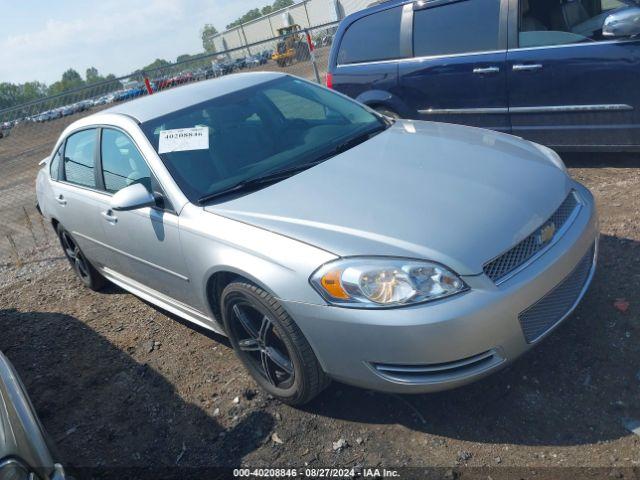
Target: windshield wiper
<point>252,183</point>
<point>357,140</point>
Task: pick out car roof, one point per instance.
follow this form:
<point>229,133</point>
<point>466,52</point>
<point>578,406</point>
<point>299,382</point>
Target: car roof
<point>162,103</point>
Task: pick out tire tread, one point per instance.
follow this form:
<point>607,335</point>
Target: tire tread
<point>316,379</point>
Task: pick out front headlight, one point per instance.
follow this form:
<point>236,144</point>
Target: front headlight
<point>384,282</point>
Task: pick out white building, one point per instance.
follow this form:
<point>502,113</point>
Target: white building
<point>306,13</point>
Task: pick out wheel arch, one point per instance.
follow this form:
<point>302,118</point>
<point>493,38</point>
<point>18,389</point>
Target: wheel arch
<point>219,279</point>
<point>383,98</point>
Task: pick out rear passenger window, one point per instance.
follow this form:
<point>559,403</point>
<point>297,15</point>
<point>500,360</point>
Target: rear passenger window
<point>374,37</point>
<point>122,163</point>
<point>463,27</point>
<point>79,158</point>
<point>54,166</point>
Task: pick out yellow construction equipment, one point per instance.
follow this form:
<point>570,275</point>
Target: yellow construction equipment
<point>291,47</point>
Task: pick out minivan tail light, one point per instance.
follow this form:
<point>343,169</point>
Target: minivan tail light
<point>328,80</point>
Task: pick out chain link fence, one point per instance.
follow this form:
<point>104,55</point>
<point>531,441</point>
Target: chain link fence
<point>29,131</point>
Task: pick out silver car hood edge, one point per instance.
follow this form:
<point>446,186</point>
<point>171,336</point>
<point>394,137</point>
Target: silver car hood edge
<point>448,193</point>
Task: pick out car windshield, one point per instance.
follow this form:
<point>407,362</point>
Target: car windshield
<point>275,126</point>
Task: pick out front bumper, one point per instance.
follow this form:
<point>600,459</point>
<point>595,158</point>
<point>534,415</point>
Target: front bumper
<point>448,343</point>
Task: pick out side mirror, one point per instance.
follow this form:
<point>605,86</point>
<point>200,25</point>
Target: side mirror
<point>623,23</point>
<point>133,197</point>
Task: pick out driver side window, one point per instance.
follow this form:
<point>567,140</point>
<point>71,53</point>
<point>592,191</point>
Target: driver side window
<point>122,163</point>
<point>547,22</point>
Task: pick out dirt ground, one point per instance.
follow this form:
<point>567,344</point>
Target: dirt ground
<point>119,383</point>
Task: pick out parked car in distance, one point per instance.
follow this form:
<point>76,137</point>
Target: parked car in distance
<point>266,55</point>
<point>326,240</point>
<point>228,66</point>
<point>25,449</point>
<point>47,115</point>
<point>256,60</point>
<point>563,73</point>
<point>240,63</point>
<point>252,61</point>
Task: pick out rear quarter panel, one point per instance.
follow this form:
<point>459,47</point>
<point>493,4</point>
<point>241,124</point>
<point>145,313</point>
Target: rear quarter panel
<point>44,192</point>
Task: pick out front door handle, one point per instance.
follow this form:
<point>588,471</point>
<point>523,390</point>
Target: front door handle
<point>108,216</point>
<point>60,199</point>
<point>486,70</point>
<point>527,67</point>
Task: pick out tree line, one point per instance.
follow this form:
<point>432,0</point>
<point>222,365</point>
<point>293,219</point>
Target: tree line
<point>257,12</point>
<point>13,94</point>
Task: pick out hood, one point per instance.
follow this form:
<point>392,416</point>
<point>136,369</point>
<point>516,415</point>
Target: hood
<point>452,194</point>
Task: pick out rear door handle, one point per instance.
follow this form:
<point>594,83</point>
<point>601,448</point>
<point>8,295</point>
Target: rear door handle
<point>486,70</point>
<point>60,199</point>
<point>527,67</point>
<point>108,216</point>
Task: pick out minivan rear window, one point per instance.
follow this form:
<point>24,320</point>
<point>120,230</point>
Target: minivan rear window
<point>462,27</point>
<point>371,38</point>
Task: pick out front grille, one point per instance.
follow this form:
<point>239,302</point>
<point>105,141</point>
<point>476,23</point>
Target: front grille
<point>500,267</point>
<point>558,303</point>
<point>439,372</point>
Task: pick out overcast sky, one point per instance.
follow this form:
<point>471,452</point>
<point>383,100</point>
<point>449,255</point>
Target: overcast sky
<point>40,39</point>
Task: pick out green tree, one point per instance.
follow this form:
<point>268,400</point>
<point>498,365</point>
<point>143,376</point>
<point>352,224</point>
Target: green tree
<point>253,14</point>
<point>157,63</point>
<point>70,79</point>
<point>278,4</point>
<point>247,17</point>
<point>207,33</point>
<point>32,91</point>
<point>9,95</point>
<point>92,75</point>
<point>113,84</point>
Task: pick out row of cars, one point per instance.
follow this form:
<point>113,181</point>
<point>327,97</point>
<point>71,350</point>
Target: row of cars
<point>218,68</point>
<point>136,89</point>
<point>66,110</point>
<point>226,66</point>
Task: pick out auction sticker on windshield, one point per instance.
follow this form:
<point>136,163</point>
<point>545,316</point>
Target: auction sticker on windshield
<point>183,139</point>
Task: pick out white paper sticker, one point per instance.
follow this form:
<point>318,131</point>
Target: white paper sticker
<point>182,139</point>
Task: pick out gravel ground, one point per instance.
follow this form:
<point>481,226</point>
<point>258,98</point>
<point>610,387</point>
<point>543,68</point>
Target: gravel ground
<point>119,383</point>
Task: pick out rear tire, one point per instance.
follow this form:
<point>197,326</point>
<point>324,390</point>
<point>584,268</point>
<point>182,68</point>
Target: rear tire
<point>270,344</point>
<point>87,274</point>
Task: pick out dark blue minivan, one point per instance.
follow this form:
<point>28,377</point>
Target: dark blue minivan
<point>564,73</point>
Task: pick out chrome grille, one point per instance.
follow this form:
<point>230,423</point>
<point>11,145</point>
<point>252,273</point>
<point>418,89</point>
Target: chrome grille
<point>498,268</point>
<point>555,305</point>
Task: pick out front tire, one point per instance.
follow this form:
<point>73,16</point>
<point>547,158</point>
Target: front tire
<point>270,344</point>
<point>87,274</point>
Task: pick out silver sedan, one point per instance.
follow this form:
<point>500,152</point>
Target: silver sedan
<point>325,240</point>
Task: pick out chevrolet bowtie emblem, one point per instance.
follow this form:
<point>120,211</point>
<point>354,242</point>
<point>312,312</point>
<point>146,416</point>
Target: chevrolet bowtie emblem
<point>547,232</point>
